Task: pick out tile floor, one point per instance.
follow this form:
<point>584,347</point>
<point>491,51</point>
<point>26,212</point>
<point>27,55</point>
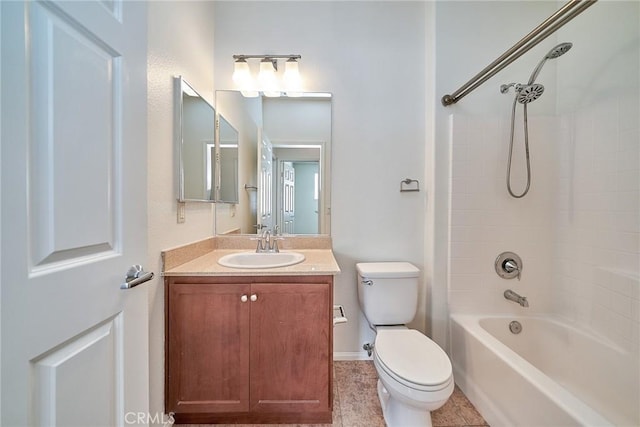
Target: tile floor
<point>356,402</point>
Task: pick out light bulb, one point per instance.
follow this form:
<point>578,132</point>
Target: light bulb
<point>242,78</point>
<point>267,73</point>
<point>241,73</point>
<point>291,76</point>
<point>267,78</point>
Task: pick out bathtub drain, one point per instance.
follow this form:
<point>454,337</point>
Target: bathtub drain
<point>515,327</point>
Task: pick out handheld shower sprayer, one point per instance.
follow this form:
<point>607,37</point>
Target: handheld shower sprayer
<point>554,53</point>
<point>526,93</point>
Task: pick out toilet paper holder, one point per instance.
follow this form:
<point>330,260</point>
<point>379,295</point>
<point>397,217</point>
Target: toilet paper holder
<point>339,317</point>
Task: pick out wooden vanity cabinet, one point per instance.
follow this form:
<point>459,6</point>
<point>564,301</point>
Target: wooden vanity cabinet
<point>249,349</point>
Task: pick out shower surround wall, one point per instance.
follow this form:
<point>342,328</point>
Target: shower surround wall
<point>597,216</point>
<point>486,221</point>
<point>577,230</point>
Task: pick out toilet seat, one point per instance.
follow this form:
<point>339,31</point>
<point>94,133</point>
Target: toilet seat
<point>413,359</point>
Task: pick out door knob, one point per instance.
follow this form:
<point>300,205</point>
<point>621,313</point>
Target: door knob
<point>254,297</point>
<point>135,276</point>
<point>244,298</point>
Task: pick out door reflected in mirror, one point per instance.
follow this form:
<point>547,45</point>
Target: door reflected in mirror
<point>283,163</point>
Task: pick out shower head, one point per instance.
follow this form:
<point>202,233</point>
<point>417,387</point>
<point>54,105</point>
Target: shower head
<point>529,93</point>
<point>556,52</point>
<point>559,50</point>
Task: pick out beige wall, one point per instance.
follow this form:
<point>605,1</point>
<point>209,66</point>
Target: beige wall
<point>180,42</point>
<point>371,56</point>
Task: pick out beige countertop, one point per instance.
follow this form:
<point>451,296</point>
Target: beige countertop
<point>204,262</point>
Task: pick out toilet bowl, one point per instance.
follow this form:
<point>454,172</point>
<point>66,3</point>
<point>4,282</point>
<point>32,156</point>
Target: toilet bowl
<point>414,374</point>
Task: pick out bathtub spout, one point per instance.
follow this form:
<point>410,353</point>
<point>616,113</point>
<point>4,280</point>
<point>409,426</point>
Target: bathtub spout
<point>512,296</point>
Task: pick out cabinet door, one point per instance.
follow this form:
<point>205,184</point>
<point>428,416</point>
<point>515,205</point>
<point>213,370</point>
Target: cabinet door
<point>208,341</point>
<point>291,347</point>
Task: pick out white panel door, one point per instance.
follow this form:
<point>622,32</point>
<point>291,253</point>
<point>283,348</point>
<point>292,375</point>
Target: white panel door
<point>288,189</point>
<point>74,345</point>
<point>265,185</point>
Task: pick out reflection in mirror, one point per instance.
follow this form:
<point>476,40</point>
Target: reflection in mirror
<point>228,164</point>
<point>283,164</point>
<point>194,130</point>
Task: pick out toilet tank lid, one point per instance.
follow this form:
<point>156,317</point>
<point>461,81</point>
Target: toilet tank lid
<point>381,270</point>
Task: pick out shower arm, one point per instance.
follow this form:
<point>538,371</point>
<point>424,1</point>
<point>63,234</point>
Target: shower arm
<point>538,34</point>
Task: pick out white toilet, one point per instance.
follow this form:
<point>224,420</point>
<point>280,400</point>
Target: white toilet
<point>415,375</point>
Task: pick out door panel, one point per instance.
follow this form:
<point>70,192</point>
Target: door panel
<point>208,332</point>
<point>73,166</point>
<point>265,185</point>
<point>290,349</point>
<point>74,345</point>
<point>94,353</point>
<point>288,198</point>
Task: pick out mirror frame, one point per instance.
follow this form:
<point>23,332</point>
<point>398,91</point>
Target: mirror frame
<point>179,84</point>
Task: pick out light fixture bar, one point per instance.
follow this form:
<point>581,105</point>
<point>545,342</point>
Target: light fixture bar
<point>237,57</point>
<point>267,81</point>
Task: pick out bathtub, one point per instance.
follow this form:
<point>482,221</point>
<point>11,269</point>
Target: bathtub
<point>551,374</point>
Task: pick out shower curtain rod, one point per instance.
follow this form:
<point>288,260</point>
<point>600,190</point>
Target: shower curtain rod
<point>541,32</point>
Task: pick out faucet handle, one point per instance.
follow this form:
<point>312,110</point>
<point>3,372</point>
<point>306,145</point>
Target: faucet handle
<point>274,244</point>
<point>260,239</point>
<point>510,266</point>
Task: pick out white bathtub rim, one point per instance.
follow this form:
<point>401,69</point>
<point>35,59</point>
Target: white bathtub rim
<point>554,318</point>
<point>575,407</point>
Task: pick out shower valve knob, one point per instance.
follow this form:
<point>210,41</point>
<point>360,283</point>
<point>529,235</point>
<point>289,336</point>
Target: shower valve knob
<point>508,265</point>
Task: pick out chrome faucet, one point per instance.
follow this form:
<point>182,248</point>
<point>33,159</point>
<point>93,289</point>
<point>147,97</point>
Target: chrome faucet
<point>512,296</point>
<point>266,243</point>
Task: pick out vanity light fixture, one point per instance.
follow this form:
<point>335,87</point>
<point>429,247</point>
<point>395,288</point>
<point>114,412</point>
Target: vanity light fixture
<point>267,81</point>
<point>242,78</point>
<point>292,74</point>
<point>267,77</point>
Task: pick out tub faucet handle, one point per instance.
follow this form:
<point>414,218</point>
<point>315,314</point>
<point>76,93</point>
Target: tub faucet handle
<point>510,266</point>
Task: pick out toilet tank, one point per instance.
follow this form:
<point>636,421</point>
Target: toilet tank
<point>388,292</point>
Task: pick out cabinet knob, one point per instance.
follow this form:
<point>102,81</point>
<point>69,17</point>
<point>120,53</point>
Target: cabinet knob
<point>254,297</point>
<point>243,298</point>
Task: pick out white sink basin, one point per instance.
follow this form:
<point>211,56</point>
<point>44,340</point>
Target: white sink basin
<point>261,259</point>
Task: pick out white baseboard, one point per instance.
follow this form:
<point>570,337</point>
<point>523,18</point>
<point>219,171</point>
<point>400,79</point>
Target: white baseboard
<point>351,355</point>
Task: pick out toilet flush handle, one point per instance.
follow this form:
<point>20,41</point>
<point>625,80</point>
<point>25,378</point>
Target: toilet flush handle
<point>367,282</point>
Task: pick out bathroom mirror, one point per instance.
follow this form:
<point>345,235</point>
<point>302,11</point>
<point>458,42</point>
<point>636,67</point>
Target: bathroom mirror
<point>194,136</point>
<point>283,163</point>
